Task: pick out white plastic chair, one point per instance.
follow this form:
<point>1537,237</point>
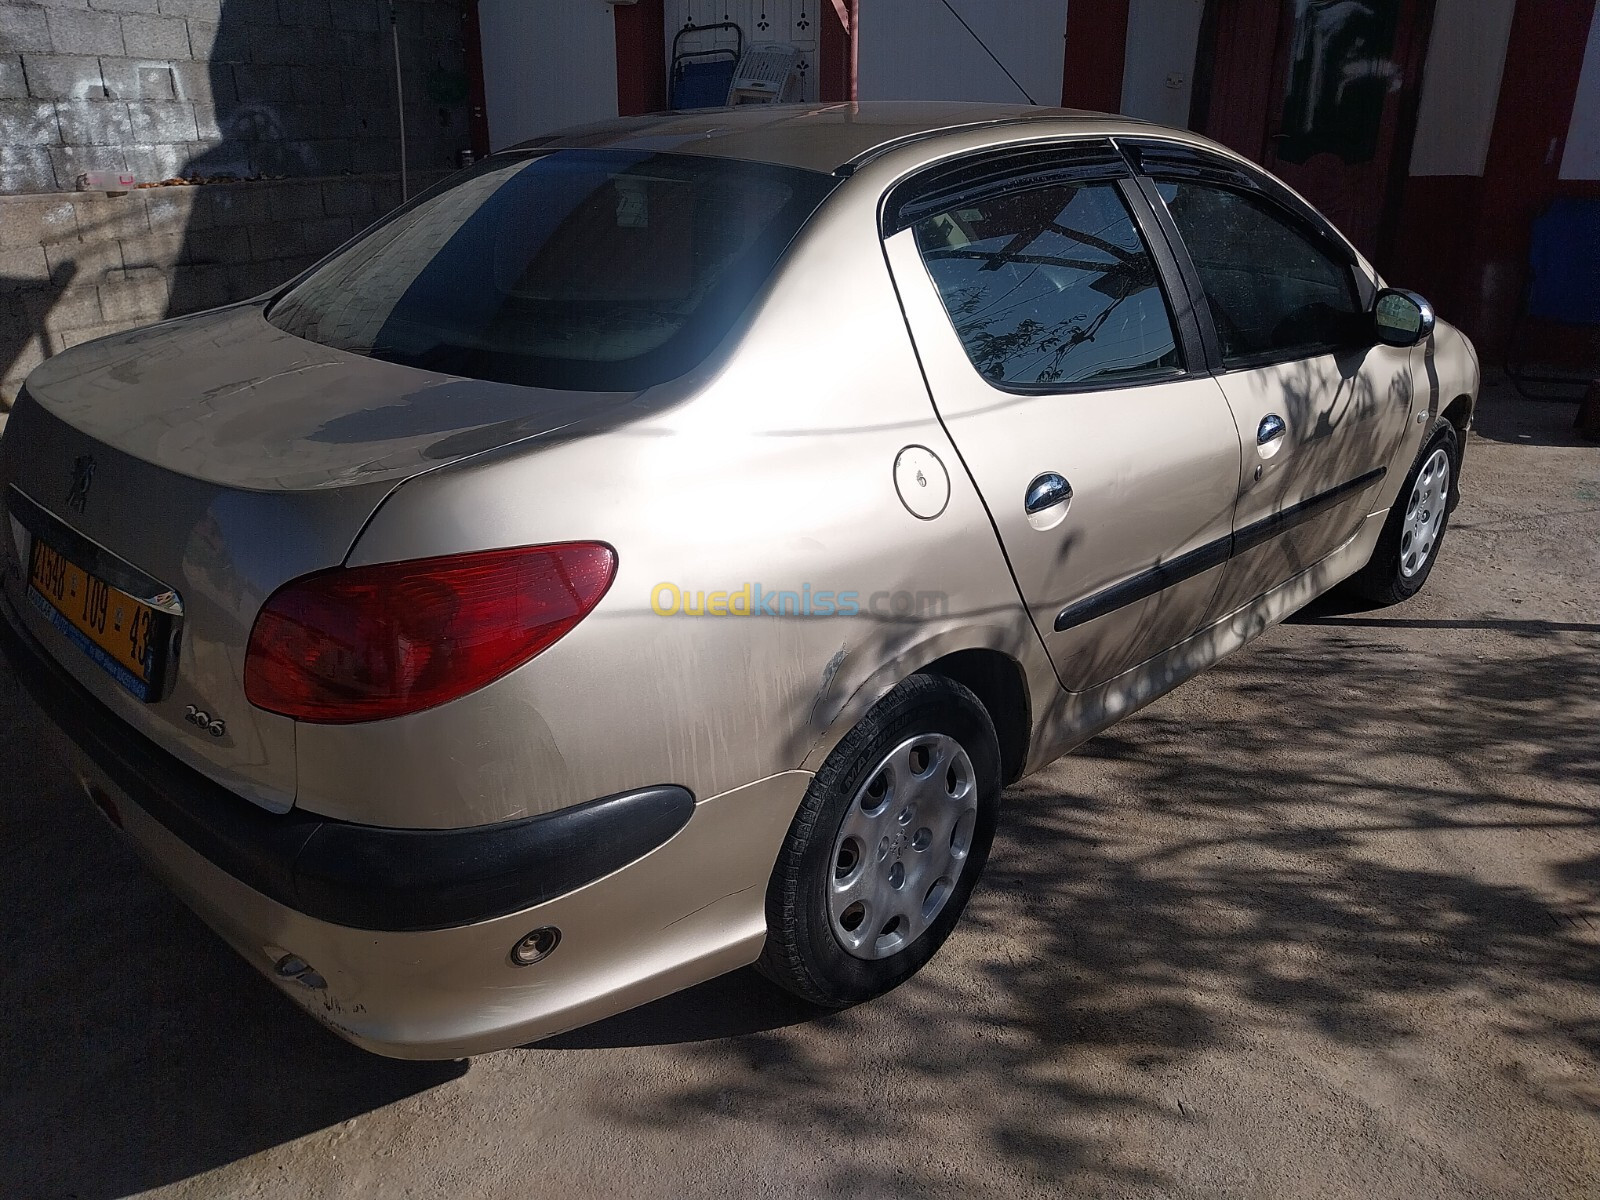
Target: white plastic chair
<point>768,73</point>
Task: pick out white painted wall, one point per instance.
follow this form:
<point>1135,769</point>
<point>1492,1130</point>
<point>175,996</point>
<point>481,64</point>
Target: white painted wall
<point>546,64</point>
<point>1581,159</point>
<point>1461,86</point>
<point>916,50</point>
<point>1158,71</point>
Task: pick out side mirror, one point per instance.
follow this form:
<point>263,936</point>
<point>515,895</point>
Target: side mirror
<point>1402,318</point>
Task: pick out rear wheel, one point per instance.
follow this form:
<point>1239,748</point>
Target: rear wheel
<point>886,847</point>
<point>1409,545</point>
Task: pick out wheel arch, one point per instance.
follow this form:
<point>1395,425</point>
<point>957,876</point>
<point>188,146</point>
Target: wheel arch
<point>1006,668</point>
<point>997,681</point>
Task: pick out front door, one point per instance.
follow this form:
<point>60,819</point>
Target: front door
<point>1332,115</point>
<point>1321,407</point>
<point>1106,455</point>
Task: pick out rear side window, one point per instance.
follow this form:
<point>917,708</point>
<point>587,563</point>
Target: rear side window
<point>593,270</point>
<point>1274,291</point>
<point>1050,287</point>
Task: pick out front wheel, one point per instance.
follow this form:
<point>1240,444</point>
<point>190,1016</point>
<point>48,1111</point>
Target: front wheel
<point>889,840</point>
<point>1415,527</point>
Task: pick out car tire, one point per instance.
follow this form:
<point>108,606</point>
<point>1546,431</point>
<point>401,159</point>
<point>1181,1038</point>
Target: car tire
<point>1414,530</point>
<point>888,843</point>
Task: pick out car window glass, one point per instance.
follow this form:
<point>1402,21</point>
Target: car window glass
<point>1051,286</point>
<point>592,270</point>
<point>1274,292</point>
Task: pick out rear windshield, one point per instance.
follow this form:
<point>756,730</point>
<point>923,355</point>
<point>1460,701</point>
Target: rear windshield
<point>595,270</point>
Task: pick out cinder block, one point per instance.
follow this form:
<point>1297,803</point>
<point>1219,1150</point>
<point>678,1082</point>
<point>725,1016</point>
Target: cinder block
<point>386,194</point>
<point>63,77</point>
<point>156,37</point>
<point>72,161</point>
<point>29,123</point>
<point>31,351</point>
<point>219,244</point>
<point>124,6</point>
<point>26,169</point>
<point>82,31</point>
<point>24,267</point>
<point>23,28</point>
<point>58,311</point>
<point>134,299</point>
<point>325,156</point>
<point>112,216</point>
<point>293,201</point>
<point>309,14</point>
<point>375,156</point>
<point>172,209</point>
<point>322,88</point>
<point>121,77</point>
<point>207,126</point>
<point>158,163</point>
<point>244,280</point>
<point>162,251</point>
<point>34,222</point>
<point>237,204</point>
<point>86,262</point>
<point>355,16</point>
<point>347,197</point>
<point>202,83</point>
<point>200,10</point>
<point>198,287</point>
<point>280,45</point>
<point>258,83</point>
<point>325,233</point>
<point>278,239</point>
<point>13,83</point>
<point>94,122</point>
<point>157,83</point>
<point>203,43</point>
<point>157,121</point>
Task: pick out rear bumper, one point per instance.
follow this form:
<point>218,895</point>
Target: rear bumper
<point>408,932</point>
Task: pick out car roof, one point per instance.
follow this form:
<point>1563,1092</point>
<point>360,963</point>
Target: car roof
<point>824,137</point>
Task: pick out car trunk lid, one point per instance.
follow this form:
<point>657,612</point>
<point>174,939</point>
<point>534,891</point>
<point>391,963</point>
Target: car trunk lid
<point>216,458</point>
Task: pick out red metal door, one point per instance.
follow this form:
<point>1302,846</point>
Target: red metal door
<point>1321,92</point>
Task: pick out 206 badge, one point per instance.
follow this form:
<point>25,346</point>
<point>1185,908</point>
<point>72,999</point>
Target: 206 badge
<point>204,720</point>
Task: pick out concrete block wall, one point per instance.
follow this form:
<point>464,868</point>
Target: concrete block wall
<point>79,265</point>
<point>177,88</point>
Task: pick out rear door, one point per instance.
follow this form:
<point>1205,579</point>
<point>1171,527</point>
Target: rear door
<point>1075,391</point>
<point>1320,405</point>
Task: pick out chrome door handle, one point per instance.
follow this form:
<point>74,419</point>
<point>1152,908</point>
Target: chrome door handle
<point>1046,491</point>
<point>1271,429</point>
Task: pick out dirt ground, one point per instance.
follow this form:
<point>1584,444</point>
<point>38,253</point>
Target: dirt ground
<point>1325,922</point>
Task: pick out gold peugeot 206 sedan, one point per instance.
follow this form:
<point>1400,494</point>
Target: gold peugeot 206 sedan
<point>652,550</point>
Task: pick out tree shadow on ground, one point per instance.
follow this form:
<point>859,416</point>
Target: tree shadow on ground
<point>1230,880</point>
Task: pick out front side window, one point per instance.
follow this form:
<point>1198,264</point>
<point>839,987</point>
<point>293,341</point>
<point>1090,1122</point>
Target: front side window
<point>1274,291</point>
<point>594,270</point>
<point>1050,287</point>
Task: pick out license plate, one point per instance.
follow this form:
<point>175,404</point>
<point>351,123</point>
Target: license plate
<point>121,634</point>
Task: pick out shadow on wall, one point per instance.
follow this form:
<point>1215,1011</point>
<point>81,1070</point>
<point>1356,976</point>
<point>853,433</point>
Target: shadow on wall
<point>307,89</point>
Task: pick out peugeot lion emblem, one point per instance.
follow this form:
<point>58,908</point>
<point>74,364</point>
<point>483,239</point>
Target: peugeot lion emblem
<point>82,481</point>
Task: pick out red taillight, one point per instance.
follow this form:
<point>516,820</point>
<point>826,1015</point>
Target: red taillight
<point>364,643</point>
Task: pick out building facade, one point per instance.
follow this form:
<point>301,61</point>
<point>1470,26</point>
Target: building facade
<point>1432,131</point>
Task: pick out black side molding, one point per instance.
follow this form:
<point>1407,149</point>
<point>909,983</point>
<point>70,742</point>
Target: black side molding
<point>1264,530</point>
<point>362,876</point>
<point>1174,571</point>
<point>1145,583</point>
